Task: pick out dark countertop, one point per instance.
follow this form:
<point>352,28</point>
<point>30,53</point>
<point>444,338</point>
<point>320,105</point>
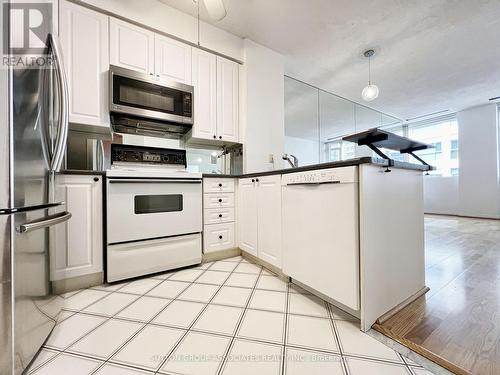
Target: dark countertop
<point>313,167</point>
<point>82,172</point>
<point>334,164</point>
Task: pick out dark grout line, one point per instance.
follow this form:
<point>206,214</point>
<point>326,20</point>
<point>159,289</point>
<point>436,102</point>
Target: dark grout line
<point>195,319</point>
<point>185,331</point>
<point>223,363</point>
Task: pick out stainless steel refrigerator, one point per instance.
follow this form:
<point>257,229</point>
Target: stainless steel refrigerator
<point>33,131</point>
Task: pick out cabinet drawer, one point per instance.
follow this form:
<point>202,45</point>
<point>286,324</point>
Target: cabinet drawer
<point>218,215</point>
<point>218,237</point>
<point>217,185</point>
<point>218,200</point>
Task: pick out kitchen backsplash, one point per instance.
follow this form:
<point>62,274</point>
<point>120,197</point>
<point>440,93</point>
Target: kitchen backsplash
<point>84,154</point>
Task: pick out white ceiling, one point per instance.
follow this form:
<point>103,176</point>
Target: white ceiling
<point>431,55</point>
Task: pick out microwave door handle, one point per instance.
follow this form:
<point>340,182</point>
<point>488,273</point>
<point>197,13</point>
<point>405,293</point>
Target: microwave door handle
<point>62,86</point>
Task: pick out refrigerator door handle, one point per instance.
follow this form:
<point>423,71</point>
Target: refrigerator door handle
<point>45,222</point>
<point>62,85</point>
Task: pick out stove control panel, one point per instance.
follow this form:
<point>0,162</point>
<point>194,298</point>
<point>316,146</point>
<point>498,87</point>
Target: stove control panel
<point>147,155</point>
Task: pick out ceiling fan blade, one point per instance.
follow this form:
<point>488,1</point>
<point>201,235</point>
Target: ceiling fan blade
<point>215,9</point>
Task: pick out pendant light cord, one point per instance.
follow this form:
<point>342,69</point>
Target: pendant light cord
<point>369,70</point>
<point>198,2</point>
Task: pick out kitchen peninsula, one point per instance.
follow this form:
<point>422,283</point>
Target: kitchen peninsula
<point>358,223</point>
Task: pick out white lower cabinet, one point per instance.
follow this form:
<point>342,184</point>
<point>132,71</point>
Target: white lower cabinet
<point>77,245</point>
<point>247,215</point>
<point>259,218</point>
<point>218,214</point>
<point>219,237</point>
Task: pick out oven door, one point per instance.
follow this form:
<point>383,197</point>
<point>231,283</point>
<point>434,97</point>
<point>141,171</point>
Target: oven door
<point>141,95</point>
<point>141,209</point>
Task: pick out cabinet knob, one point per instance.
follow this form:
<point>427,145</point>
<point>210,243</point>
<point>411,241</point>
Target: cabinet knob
<point>253,179</point>
<point>150,74</point>
<point>256,180</point>
<point>220,215</point>
<point>220,200</point>
<point>96,179</point>
<point>220,136</point>
<point>220,185</point>
<point>220,237</point>
<point>215,137</point>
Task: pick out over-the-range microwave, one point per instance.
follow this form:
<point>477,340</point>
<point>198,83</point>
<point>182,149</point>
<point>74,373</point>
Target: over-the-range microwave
<point>149,105</point>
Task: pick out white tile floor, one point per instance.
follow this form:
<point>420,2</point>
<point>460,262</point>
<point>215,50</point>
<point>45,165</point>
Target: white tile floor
<point>225,317</point>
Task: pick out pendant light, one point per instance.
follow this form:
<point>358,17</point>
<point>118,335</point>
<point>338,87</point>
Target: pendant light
<point>215,9</point>
<point>370,92</point>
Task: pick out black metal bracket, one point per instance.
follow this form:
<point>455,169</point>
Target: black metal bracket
<point>419,159</point>
<point>381,154</point>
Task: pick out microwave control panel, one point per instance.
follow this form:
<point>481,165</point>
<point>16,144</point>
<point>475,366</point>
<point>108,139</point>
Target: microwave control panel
<point>147,155</point>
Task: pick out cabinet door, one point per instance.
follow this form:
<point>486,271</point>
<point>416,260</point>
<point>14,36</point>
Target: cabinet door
<point>172,59</point>
<point>227,100</point>
<point>77,245</point>
<point>131,46</point>
<point>247,215</point>
<point>269,219</point>
<point>205,94</point>
<point>84,39</point>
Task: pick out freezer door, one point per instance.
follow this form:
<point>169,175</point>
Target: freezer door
<point>5,296</point>
<point>35,308</point>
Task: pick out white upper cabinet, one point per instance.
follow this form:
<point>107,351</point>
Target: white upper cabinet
<point>227,99</point>
<point>131,46</point>
<point>84,40</point>
<point>205,94</point>
<point>172,59</point>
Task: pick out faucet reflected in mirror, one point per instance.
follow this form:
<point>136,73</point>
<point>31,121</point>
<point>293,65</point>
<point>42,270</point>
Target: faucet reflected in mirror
<point>291,159</point>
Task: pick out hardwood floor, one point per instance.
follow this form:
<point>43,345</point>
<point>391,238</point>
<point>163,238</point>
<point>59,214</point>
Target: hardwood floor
<point>457,323</point>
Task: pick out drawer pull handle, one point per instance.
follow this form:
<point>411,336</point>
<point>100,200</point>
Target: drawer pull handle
<point>220,200</point>
<point>253,179</point>
<point>220,215</point>
<point>220,237</point>
<point>220,185</point>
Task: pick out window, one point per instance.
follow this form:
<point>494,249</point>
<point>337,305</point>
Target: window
<point>339,150</point>
<point>443,135</point>
<point>454,149</point>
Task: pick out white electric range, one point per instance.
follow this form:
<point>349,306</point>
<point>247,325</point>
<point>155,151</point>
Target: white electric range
<point>154,212</point>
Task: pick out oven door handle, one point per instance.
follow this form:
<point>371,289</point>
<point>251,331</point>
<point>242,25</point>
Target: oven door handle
<point>152,181</point>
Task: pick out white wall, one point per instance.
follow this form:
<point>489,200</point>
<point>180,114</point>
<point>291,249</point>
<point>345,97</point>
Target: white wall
<point>169,20</point>
<point>478,157</point>
<point>305,149</point>
<point>441,195</point>
<point>262,124</point>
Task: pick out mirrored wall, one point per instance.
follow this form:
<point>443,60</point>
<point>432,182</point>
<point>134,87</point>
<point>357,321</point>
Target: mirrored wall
<point>316,121</point>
